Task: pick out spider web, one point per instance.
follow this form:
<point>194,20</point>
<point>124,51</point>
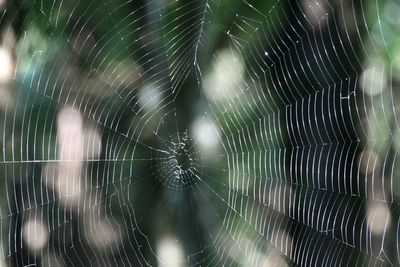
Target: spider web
<point>243,133</point>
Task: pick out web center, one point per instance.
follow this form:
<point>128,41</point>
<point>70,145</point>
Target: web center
<point>179,169</point>
<point>183,159</point>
